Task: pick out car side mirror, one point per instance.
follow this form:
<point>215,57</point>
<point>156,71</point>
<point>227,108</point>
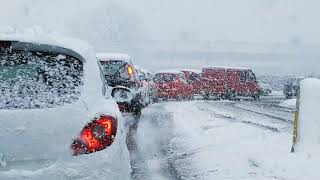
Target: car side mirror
<point>106,91</point>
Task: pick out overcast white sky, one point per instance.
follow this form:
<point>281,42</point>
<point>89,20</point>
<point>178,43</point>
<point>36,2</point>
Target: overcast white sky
<point>250,22</point>
<point>232,20</point>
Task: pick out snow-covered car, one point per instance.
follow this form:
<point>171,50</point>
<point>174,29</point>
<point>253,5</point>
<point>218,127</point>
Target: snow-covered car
<point>172,84</point>
<point>144,86</point>
<point>152,86</point>
<point>149,88</point>
<point>193,78</point>
<point>266,89</point>
<point>55,121</point>
<point>230,82</point>
<point>122,78</point>
<point>292,87</point>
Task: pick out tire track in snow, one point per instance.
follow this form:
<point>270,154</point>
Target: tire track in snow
<point>148,146</point>
<point>266,114</point>
<point>139,171</point>
<point>277,124</point>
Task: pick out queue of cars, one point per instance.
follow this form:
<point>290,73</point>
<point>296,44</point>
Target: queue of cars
<point>134,88</point>
<point>222,82</point>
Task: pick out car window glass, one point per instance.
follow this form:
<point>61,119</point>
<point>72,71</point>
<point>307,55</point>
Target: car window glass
<point>252,76</point>
<point>30,80</point>
<point>243,75</point>
<point>114,69</point>
<point>194,76</point>
<point>182,78</point>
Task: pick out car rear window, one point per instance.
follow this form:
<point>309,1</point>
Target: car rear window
<point>161,78</point>
<point>32,80</point>
<point>114,69</point>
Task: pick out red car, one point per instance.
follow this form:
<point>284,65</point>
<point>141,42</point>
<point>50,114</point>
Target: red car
<point>193,78</point>
<point>172,85</point>
<point>229,82</point>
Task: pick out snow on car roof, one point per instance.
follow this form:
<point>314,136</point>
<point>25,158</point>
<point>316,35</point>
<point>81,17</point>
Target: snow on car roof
<point>192,70</point>
<point>177,71</point>
<point>36,35</point>
<point>172,71</point>
<point>113,56</point>
<point>137,67</point>
<point>145,70</point>
<point>225,67</point>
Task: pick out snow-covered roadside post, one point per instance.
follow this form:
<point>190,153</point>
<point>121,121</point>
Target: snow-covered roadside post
<point>306,133</point>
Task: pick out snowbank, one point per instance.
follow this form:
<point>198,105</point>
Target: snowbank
<point>309,122</point>
<point>217,143</point>
<point>290,103</point>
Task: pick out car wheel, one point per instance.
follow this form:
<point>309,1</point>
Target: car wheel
<point>206,96</point>
<point>256,97</point>
<point>288,96</point>
<point>155,99</point>
<point>231,96</point>
<point>191,98</point>
<point>137,112</point>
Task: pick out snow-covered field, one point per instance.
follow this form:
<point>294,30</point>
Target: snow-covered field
<point>217,140</point>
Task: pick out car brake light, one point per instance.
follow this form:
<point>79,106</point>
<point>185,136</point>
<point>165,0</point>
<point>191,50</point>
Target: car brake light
<point>95,136</point>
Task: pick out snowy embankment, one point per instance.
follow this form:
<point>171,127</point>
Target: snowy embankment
<point>290,103</point>
<point>218,146</point>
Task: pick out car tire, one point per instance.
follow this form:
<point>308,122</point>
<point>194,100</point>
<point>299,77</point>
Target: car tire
<point>256,97</point>
<point>191,98</point>
<point>155,100</point>
<point>288,96</point>
<point>137,112</point>
<point>231,96</point>
<point>206,96</point>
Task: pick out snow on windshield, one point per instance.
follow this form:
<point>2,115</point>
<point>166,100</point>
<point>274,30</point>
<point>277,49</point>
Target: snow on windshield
<point>30,80</point>
<point>111,68</point>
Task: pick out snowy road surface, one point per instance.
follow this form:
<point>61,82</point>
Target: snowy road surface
<point>215,140</point>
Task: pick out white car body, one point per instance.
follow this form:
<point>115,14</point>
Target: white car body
<point>36,143</point>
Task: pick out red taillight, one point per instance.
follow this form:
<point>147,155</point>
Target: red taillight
<point>107,125</point>
<point>95,136</point>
